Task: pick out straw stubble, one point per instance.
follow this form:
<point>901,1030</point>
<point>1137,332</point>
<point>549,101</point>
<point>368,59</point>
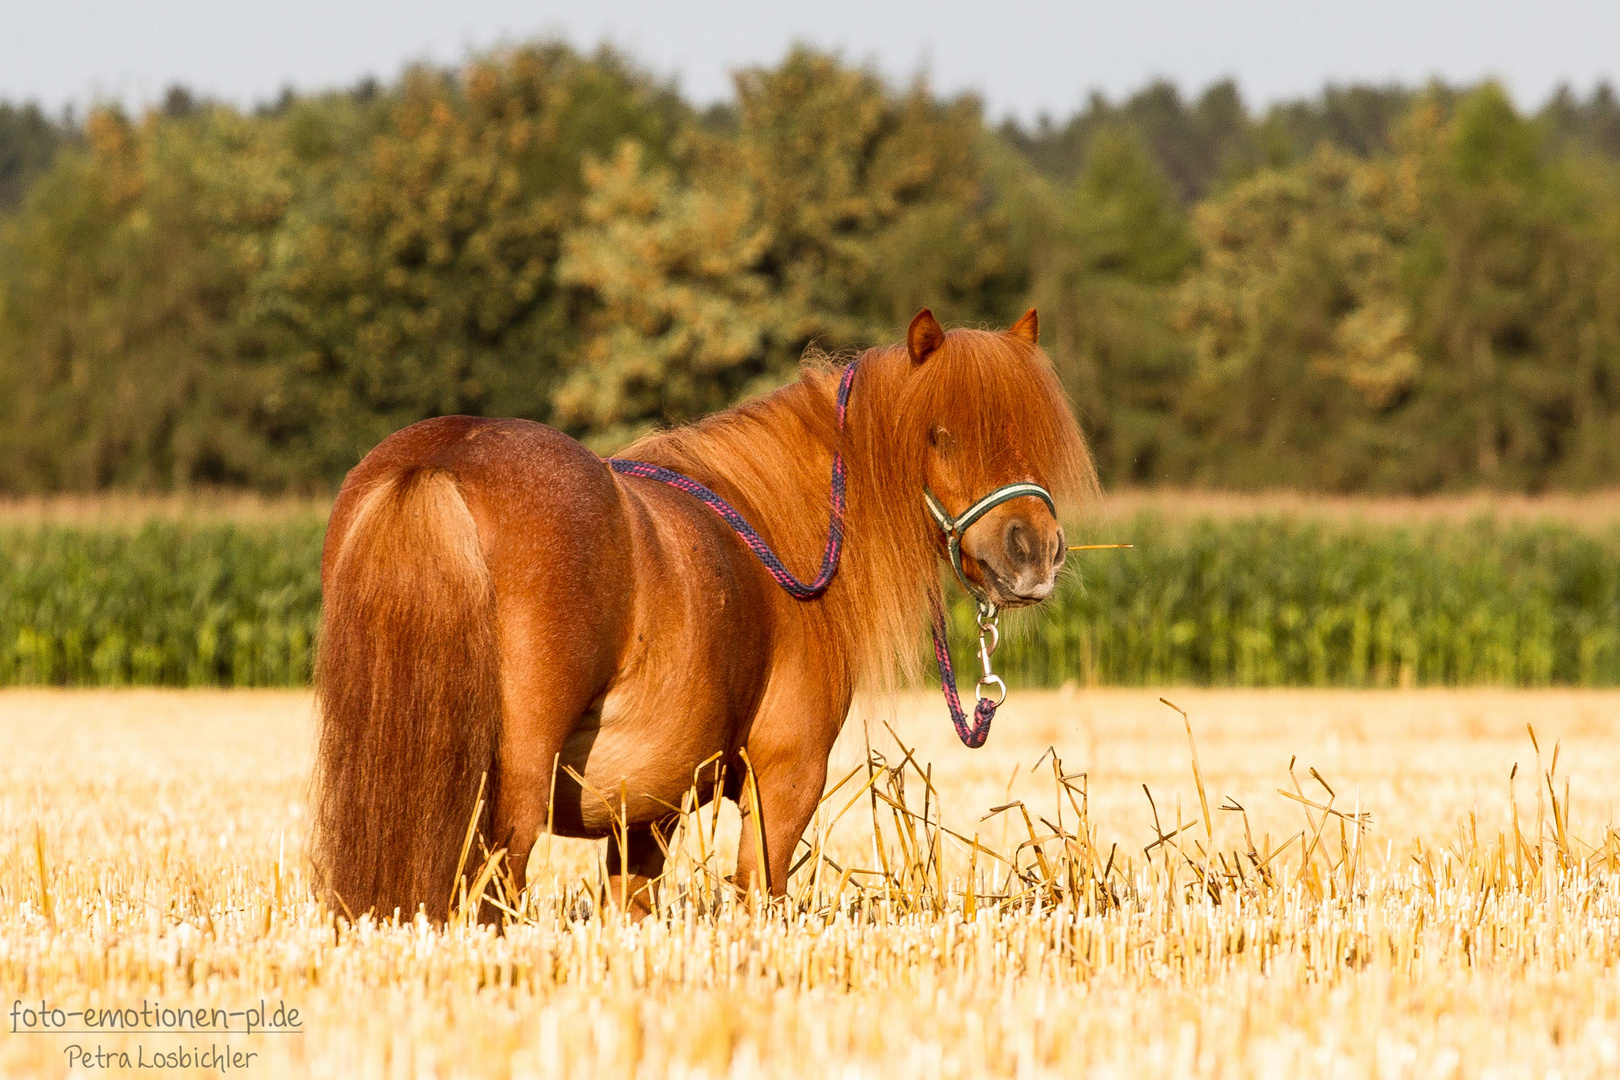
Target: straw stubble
<point>1376,866</point>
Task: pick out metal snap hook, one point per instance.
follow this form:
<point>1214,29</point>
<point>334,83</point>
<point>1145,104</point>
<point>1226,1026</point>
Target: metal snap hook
<point>989,639</point>
<point>994,633</point>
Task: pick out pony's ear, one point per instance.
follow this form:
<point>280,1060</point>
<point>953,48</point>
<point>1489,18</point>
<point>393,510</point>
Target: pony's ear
<point>923,336</point>
<point>1028,328</point>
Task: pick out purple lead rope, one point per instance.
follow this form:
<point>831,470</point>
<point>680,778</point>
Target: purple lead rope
<point>830,555</point>
<point>972,735</point>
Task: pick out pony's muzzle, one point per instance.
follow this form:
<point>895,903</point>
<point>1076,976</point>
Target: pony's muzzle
<point>1022,561</point>
<point>1033,559</point>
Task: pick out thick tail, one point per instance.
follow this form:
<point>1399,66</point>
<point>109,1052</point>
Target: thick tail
<point>408,688</point>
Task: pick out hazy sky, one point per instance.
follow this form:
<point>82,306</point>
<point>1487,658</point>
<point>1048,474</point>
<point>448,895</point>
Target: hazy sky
<point>1022,57</point>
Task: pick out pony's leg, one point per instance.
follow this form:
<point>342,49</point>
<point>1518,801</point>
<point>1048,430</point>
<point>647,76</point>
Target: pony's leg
<point>633,870</point>
<point>542,703</point>
<point>520,810</point>
<point>789,791</point>
<point>788,743</point>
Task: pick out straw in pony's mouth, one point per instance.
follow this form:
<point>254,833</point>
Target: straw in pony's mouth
<point>1098,547</point>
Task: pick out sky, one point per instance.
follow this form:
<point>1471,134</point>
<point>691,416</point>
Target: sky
<point>1022,58</point>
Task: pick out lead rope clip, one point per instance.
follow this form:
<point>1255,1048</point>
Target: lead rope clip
<point>989,639</point>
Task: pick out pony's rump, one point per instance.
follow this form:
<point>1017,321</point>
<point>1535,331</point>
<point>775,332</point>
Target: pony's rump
<point>407,685</point>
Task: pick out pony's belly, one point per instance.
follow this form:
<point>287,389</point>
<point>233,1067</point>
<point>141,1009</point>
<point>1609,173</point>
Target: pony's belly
<point>638,759</point>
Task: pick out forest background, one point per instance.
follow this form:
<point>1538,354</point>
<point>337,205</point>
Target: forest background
<point>1380,289</point>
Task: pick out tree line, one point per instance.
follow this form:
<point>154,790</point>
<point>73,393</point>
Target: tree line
<point>1380,289</point>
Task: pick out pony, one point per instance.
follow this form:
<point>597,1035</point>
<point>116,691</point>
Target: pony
<point>516,637</point>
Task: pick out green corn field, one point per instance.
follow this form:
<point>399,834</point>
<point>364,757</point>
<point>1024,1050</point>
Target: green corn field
<point>1285,602</point>
<point>167,604</point>
<point>1252,602</point>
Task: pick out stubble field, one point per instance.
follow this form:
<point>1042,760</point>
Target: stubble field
<point>1410,908</point>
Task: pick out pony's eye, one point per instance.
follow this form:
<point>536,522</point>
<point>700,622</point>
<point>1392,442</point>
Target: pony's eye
<point>939,438</point>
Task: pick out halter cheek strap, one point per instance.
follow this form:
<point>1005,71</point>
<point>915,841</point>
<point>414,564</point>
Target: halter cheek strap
<point>955,527</point>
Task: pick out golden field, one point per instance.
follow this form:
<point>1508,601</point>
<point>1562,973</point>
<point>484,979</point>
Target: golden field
<point>1469,927</point>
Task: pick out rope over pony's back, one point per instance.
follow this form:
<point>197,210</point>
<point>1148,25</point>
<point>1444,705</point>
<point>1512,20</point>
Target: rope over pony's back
<point>830,554</point>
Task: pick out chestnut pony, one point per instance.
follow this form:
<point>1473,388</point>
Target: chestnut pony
<point>500,607</point>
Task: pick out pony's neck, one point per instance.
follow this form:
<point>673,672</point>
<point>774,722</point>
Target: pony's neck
<point>772,458</point>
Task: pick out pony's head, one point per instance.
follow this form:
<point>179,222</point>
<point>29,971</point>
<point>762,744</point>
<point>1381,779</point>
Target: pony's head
<point>981,411</point>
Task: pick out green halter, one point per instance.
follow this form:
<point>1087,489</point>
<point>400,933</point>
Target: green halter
<point>954,528</point>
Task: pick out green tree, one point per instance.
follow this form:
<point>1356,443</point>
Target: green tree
<point>125,278</point>
<point>826,211</point>
<point>1299,324</point>
<point>1506,279</point>
<point>29,141</point>
<point>682,315</point>
<point>1434,318</point>
<point>1103,279</point>
<point>1196,145</point>
<point>422,281</point>
<point>1585,127</point>
<point>877,201</point>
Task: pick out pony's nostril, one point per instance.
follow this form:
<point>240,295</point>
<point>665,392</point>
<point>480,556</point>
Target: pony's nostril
<point>1020,546</point>
<point>1062,550</point>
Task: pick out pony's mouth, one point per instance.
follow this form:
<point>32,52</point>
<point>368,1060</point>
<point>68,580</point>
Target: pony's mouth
<point>1005,595</point>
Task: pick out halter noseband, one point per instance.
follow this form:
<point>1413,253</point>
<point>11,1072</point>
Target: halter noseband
<point>954,528</point>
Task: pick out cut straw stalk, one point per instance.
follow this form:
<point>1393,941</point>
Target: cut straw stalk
<point>44,876</point>
<point>755,815</point>
<point>459,883</point>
